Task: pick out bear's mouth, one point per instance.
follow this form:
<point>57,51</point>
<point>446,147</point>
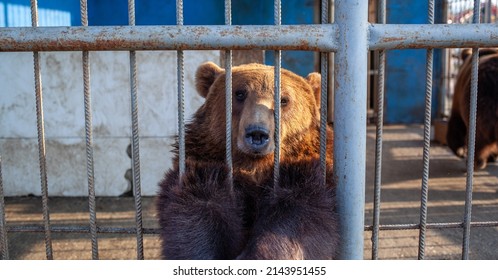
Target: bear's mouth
<point>256,141</point>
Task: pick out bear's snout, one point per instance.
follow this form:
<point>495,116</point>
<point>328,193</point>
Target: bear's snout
<point>257,139</point>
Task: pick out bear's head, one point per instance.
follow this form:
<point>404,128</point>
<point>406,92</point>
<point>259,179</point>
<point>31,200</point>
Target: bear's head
<point>253,90</point>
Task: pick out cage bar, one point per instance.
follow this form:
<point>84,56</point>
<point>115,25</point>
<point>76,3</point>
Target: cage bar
<point>427,141</point>
<point>278,65</point>
<point>378,140</point>
<point>4,246</point>
<point>89,138</point>
<point>135,154</point>
<point>350,123</point>
<point>419,36</point>
<point>471,140</point>
<point>416,226</point>
<point>228,99</point>
<point>40,124</point>
<point>180,95</point>
<point>313,37</point>
<point>179,37</point>
<point>324,66</point>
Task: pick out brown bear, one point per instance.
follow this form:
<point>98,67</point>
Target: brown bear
<point>202,217</point>
<point>486,145</point>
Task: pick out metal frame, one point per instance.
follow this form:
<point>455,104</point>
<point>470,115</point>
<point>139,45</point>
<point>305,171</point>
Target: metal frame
<point>350,37</point>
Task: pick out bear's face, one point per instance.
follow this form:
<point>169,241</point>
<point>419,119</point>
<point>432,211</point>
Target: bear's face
<point>253,125</point>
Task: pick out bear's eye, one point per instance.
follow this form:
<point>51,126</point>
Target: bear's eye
<point>284,101</point>
<point>240,95</point>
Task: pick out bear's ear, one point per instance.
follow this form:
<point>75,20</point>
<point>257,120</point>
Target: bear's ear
<point>465,53</point>
<point>315,81</point>
<point>205,76</point>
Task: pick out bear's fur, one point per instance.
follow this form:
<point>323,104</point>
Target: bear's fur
<point>202,217</point>
<point>486,148</point>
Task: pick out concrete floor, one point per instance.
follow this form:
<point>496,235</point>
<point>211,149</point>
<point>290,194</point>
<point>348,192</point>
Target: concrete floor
<point>401,181</point>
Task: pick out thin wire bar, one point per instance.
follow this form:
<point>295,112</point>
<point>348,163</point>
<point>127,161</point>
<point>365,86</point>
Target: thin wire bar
<point>4,246</point>
<point>432,226</point>
<point>156,231</point>
<point>89,138</point>
<point>378,140</point>
<point>427,142</point>
<point>228,98</point>
<point>83,229</point>
<point>324,65</point>
<point>181,95</point>
<point>278,65</point>
<point>135,154</point>
<point>471,140</point>
<point>41,138</point>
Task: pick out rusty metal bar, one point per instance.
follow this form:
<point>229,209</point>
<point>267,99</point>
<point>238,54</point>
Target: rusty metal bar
<point>350,123</point>
<point>40,124</point>
<point>89,138</point>
<point>427,141</point>
<point>135,154</point>
<point>216,37</point>
<point>378,140</point>
<point>471,139</point>
<point>313,37</point>
<point>4,245</point>
<point>417,36</point>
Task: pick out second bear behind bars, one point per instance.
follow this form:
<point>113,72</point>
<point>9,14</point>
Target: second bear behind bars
<point>202,217</point>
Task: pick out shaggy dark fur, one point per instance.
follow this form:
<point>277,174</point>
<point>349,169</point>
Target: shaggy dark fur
<point>204,219</point>
<point>486,147</point>
<point>295,220</point>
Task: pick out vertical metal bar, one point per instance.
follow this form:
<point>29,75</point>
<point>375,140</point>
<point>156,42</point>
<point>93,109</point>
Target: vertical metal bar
<point>4,246</point>
<point>181,95</point>
<point>471,140</point>
<point>41,138</point>
<point>350,106</point>
<point>278,65</point>
<point>324,59</point>
<point>330,77</point>
<point>135,154</point>
<point>89,138</point>
<point>378,140</point>
<point>487,11</point>
<point>427,142</point>
<point>228,98</point>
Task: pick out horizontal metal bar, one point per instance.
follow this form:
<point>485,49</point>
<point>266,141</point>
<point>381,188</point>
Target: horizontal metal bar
<point>132,230</point>
<point>416,36</point>
<point>432,225</point>
<point>80,229</point>
<point>315,37</point>
<point>215,37</point>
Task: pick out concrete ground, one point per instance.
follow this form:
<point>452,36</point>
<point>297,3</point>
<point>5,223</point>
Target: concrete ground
<point>401,181</point>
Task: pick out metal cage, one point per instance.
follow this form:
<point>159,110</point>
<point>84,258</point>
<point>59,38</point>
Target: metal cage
<point>349,37</point>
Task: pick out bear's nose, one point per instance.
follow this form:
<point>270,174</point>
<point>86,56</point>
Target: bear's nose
<point>257,137</point>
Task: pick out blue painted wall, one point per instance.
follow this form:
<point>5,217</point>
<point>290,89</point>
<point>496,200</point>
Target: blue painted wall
<point>405,69</point>
<point>254,12</point>
<point>155,12</point>
<point>16,13</point>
